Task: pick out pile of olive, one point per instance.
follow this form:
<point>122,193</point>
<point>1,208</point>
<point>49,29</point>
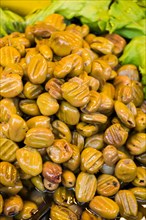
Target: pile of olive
<point>73,123</point>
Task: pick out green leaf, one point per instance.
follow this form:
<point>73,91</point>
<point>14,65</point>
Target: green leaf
<point>135,53</point>
<point>133,29</point>
<point>123,13</point>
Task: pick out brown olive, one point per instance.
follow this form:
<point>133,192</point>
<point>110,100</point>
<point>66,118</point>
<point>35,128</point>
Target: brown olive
<point>52,172</point>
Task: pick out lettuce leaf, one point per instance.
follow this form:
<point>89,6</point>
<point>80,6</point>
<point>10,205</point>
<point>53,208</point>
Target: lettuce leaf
<point>94,13</point>
<point>10,22</point>
<point>135,53</point>
<point>133,29</point>
<point>123,13</point>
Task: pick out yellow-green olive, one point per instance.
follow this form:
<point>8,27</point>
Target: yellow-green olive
<point>53,86</point>
<point>126,170</point>
<point>91,160</point>
<point>8,149</point>
<point>87,130</point>
<point>47,104</point>
<point>17,128</point>
<point>32,91</point>
<point>88,215</point>
<point>29,208</point>
<point>140,120</point>
<point>63,196</point>
<point>8,174</point>
<point>12,190</point>
<point>61,130</point>
<point>124,114</point>
<point>29,107</point>
<point>13,205</point>
<point>115,135</point>
<point>37,69</point>
<point>68,113</point>
<point>104,206</point>
<point>139,192</point>
<point>39,137</point>
<point>1,203</point>
<point>78,140</point>
<point>29,160</point>
<point>140,179</point>
<point>11,85</point>
<point>61,213</point>
<point>9,55</point>
<point>38,183</point>
<point>60,151</point>
<point>7,108</point>
<point>68,178</point>
<point>136,143</point>
<point>77,94</point>
<point>95,141</point>
<point>85,188</point>
<point>127,203</point>
<point>107,185</point>
<point>110,155</point>
<point>39,121</point>
<point>74,162</point>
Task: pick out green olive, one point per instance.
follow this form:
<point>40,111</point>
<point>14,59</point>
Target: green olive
<point>61,130</point>
<point>47,104</point>
<point>104,206</point>
<point>38,183</point>
<point>13,205</point>
<point>85,187</point>
<point>29,208</point>
<point>1,203</point>
<point>68,113</point>
<point>127,203</point>
<point>29,160</point>
<point>91,160</point>
<point>60,212</point>
<point>8,174</point>
<point>68,178</point>
<point>126,170</point>
<point>63,196</point>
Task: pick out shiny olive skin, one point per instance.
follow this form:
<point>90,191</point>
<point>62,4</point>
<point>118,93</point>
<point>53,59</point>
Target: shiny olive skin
<point>61,130</point>
<point>39,137</point>
<point>8,174</point>
<point>126,170</point>
<point>91,160</point>
<point>1,203</point>
<point>88,215</point>
<point>63,196</point>
<point>60,151</point>
<point>104,206</point>
<point>38,183</point>
<point>85,187</point>
<point>127,203</point>
<point>68,178</point>
<point>49,185</point>
<point>107,185</point>
<point>33,164</point>
<point>52,172</point>
<point>74,162</point>
<point>60,212</point>
<point>13,205</point>
<point>29,208</point>
<point>110,155</point>
<point>140,179</point>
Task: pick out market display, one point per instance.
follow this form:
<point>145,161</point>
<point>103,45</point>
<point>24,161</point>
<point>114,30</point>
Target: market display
<point>73,120</point>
